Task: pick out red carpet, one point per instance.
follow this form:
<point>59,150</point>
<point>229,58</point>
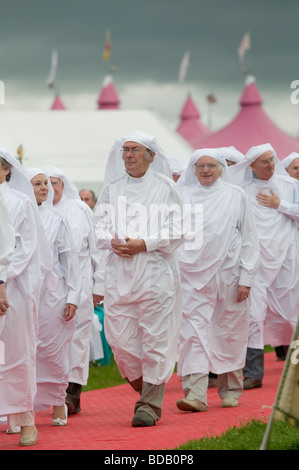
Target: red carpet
<point>105,420</point>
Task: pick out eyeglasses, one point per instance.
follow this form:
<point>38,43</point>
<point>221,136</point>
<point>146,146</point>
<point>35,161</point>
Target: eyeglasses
<point>134,150</point>
<point>266,162</point>
<point>210,166</point>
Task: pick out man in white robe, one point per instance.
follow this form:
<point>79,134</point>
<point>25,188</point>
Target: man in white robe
<point>58,304</point>
<point>138,222</point>
<point>217,275</point>
<point>231,154</point>
<point>79,217</point>
<point>18,373</point>
<point>274,197</point>
<point>291,164</point>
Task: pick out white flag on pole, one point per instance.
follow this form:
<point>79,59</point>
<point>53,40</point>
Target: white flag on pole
<point>52,75</point>
<point>184,66</point>
<point>243,47</point>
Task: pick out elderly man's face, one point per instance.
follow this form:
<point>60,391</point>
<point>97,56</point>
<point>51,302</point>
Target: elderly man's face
<point>293,169</point>
<point>207,170</point>
<point>264,166</point>
<point>135,160</point>
<point>58,189</point>
<point>86,196</point>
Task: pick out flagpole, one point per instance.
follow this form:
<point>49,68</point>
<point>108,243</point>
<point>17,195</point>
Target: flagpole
<point>267,435</point>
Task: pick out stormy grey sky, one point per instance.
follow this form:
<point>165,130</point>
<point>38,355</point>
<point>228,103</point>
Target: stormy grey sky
<point>149,39</point>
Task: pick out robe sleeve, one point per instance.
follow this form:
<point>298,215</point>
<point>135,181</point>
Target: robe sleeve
<point>249,255</point>
<point>172,234</point>
<point>291,208</point>
<point>69,262</point>
<point>26,241</point>
<point>7,239</point>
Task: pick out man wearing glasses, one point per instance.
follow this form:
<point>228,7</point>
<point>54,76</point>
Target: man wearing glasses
<point>274,197</point>
<point>138,222</point>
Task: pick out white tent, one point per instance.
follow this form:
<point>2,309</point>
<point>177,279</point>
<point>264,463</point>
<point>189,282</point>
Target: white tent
<point>78,142</point>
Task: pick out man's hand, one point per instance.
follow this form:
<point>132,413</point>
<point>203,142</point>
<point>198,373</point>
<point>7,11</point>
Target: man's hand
<point>70,312</point>
<point>243,293</point>
<point>132,247</point>
<point>97,299</point>
<point>266,200</point>
<point>3,300</point>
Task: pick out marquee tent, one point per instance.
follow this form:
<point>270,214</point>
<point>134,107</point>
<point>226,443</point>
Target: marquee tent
<point>78,142</point>
<point>250,127</point>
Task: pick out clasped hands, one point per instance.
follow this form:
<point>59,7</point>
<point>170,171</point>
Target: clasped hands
<point>131,247</point>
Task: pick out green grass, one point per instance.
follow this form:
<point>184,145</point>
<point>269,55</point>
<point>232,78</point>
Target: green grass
<point>248,436</point>
<point>103,376</point>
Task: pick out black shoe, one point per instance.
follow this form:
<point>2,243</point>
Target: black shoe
<point>250,383</point>
<point>73,404</point>
<point>143,419</point>
<point>73,398</point>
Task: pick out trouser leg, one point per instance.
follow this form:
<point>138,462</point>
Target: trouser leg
<point>72,400</point>
<point>254,365</point>
<point>195,387</point>
<point>136,384</point>
<point>230,384</point>
<point>151,399</point>
<point>20,420</point>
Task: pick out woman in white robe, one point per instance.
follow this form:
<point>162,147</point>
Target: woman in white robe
<point>18,373</point>
<point>57,305</point>
<point>274,298</point>
<point>79,218</point>
<point>7,239</point>
<point>216,280</point>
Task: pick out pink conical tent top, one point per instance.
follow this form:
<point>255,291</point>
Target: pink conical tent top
<point>190,127</point>
<point>251,127</point>
<point>58,104</point>
<point>108,98</point>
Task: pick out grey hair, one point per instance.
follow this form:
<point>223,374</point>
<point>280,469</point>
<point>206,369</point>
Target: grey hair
<point>148,154</point>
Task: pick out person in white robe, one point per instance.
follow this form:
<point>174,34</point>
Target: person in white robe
<point>291,164</point>
<point>177,167</point>
<point>274,197</point>
<point>217,273</point>
<point>231,154</point>
<point>57,305</point>
<point>24,277</point>
<point>141,289</point>
<point>7,239</point>
<point>79,217</point>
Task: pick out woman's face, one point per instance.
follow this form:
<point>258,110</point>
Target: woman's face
<point>3,173</point>
<point>40,188</point>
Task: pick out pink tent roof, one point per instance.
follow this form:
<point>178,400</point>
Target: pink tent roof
<point>251,127</point>
<point>58,104</point>
<point>190,127</point>
<point>108,98</point>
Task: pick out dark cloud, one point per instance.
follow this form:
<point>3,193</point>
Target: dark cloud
<point>148,42</point>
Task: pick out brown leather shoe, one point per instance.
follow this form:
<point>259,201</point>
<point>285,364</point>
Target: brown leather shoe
<point>186,404</point>
<point>250,383</point>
